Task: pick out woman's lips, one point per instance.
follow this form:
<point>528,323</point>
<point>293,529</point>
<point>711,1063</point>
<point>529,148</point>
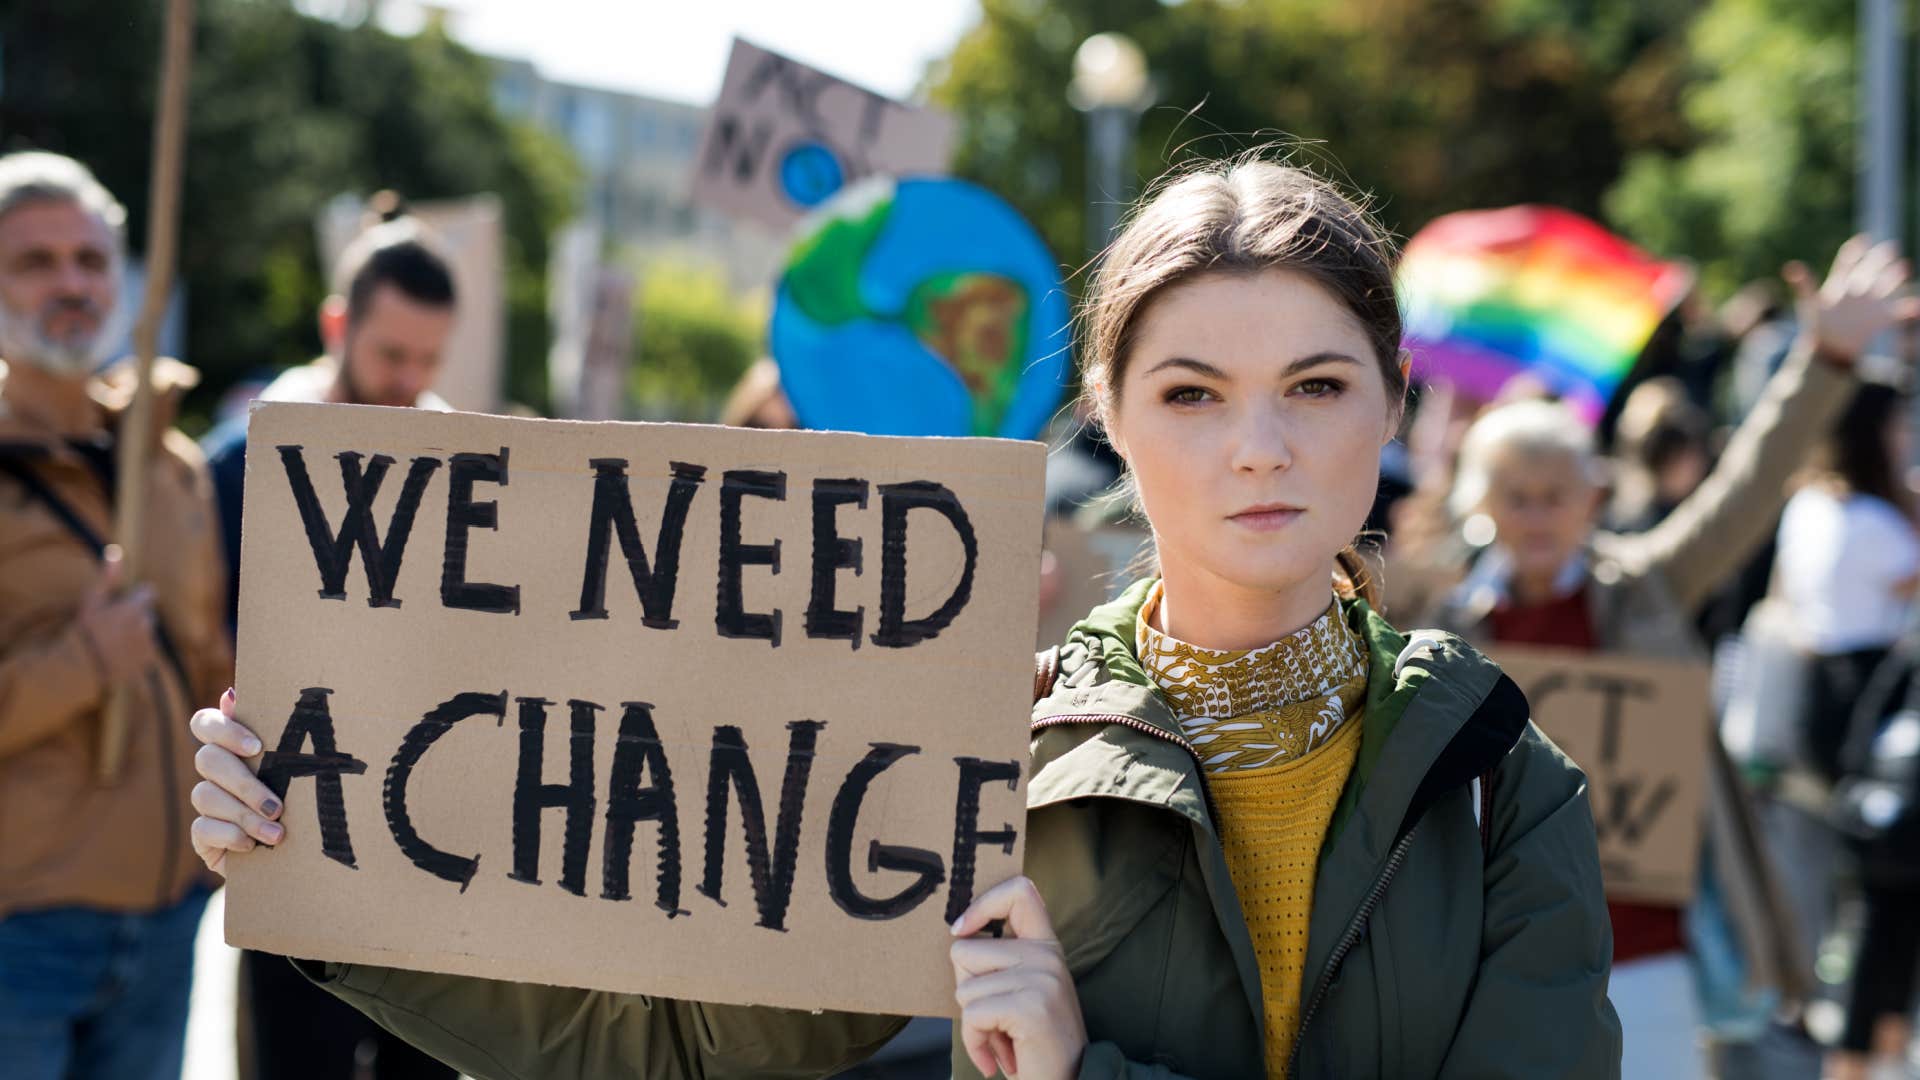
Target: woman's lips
<point>1266,518</point>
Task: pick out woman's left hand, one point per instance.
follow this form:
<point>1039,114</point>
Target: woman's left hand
<point>1019,1012</point>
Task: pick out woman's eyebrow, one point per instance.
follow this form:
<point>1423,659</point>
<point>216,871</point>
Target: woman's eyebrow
<point>1323,357</point>
<point>1198,367</point>
<point>1201,367</point>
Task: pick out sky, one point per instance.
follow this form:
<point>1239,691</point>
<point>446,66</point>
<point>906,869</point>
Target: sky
<point>677,49</point>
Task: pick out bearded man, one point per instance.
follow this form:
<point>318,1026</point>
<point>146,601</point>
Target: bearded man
<point>100,893</point>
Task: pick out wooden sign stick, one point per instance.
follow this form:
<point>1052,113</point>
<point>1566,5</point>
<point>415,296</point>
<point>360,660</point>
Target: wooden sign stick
<point>136,427</point>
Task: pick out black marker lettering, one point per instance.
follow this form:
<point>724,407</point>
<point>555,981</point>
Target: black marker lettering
<point>1614,692</point>
<point>463,514</point>
<point>530,795</point>
<point>736,151</point>
<point>831,552</point>
<point>730,617</point>
<point>393,794</point>
<point>896,630</point>
<point>284,763</point>
<point>637,752</point>
<point>731,768</point>
<point>333,551</point>
<point>975,774</point>
<point>925,865</point>
<point>613,513</point>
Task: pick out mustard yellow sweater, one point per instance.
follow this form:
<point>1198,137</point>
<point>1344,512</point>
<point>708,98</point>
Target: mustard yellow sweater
<point>1277,729</point>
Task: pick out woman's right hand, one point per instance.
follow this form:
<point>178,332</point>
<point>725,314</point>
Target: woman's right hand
<point>236,809</point>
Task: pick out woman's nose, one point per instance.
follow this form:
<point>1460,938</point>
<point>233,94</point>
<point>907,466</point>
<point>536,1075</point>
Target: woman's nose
<point>1261,443</point>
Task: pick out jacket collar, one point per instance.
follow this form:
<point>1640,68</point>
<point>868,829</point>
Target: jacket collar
<point>113,392</point>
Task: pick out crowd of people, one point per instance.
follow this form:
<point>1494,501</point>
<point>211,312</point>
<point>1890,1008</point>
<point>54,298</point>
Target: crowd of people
<point>1368,820</point>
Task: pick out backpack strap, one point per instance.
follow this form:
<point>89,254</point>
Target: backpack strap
<point>1046,669</point>
<point>39,489</point>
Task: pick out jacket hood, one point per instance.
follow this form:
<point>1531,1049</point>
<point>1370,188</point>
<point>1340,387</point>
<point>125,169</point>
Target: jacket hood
<point>1438,714</point>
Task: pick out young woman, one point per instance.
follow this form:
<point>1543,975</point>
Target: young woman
<point>1848,567</point>
<point>1267,833</point>
<point>1550,579</point>
<point>1849,561</point>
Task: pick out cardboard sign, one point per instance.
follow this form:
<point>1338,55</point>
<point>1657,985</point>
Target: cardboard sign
<point>784,137</point>
<point>689,711</point>
<point>1639,727</point>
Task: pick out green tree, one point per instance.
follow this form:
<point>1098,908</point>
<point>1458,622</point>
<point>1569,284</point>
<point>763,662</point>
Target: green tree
<point>693,338</point>
<point>1771,103</point>
<point>285,112</point>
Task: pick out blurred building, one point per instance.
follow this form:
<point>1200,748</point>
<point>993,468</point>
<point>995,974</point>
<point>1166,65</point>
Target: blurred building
<point>638,155</point>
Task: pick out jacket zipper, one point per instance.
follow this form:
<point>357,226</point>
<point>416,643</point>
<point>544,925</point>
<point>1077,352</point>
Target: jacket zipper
<point>1346,944</point>
<point>1144,728</point>
<point>1123,719</point>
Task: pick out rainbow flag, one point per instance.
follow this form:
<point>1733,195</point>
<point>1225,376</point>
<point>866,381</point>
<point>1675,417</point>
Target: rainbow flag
<point>1535,290</point>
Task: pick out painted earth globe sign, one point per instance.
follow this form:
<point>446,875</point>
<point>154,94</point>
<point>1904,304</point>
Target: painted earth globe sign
<point>921,306</point>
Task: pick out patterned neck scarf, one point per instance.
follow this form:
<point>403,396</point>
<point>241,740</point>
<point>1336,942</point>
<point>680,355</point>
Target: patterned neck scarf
<point>1248,709</point>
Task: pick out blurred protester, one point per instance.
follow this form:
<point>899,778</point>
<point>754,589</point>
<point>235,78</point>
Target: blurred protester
<point>757,401</point>
<point>1849,562</point>
<point>1662,452</point>
<point>1877,807</point>
<point>97,927</point>
<point>1550,579</point>
<point>1847,569</point>
<point>385,327</point>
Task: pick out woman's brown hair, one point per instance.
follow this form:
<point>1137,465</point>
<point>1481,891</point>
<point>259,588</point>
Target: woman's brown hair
<point>1245,217</point>
<point>1855,458</point>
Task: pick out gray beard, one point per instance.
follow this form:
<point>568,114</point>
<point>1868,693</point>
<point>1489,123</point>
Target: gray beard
<point>21,342</point>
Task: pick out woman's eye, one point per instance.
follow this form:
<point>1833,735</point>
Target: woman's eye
<point>1321,387</point>
<point>1186,395</point>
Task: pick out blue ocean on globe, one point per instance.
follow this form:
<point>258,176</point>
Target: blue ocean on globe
<point>922,306</point>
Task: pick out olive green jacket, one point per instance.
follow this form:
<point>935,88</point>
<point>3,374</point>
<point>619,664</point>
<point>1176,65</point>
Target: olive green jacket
<point>1434,950</point>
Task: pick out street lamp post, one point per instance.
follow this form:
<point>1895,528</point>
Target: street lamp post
<point>1110,85</point>
<point>1882,151</point>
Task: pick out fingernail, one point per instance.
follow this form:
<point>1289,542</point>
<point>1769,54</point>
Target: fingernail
<point>270,807</point>
<point>251,745</point>
<point>272,832</point>
<point>955,928</point>
<point>228,695</point>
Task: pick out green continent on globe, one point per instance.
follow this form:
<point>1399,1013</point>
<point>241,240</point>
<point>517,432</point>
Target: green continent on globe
<point>974,320</point>
<point>823,275</point>
<point>977,322</point>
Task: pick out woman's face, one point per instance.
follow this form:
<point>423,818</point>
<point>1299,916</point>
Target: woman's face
<point>1544,508</point>
<point>1252,412</point>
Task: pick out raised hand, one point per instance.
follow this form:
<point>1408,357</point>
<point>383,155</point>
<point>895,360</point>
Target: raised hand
<point>1862,298</point>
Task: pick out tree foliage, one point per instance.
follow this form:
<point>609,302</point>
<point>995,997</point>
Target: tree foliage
<point>1770,97</point>
<point>693,338</point>
<point>1430,105</point>
<point>285,112</point>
